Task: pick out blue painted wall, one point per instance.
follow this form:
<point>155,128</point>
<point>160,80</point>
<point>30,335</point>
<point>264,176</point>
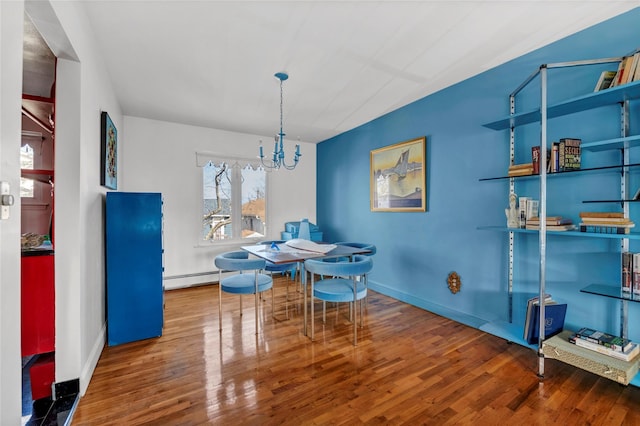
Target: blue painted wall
<point>417,251</point>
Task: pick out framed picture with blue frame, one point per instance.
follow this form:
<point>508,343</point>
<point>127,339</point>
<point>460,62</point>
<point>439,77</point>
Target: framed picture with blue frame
<point>398,177</point>
<point>109,152</point>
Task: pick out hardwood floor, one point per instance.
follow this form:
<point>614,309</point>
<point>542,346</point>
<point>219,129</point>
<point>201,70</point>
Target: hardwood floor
<point>410,367</point>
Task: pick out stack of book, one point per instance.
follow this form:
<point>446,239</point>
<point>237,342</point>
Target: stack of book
<point>527,209</point>
<point>605,80</point>
<point>554,314</point>
<point>524,169</point>
<point>630,273</point>
<point>628,71</point>
<point>554,223</point>
<point>605,343</point>
<point>605,222</point>
<point>569,154</point>
<point>563,156</point>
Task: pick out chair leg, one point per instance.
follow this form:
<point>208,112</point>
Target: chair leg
<point>240,305</point>
<point>324,311</point>
<point>219,303</point>
<point>286,301</point>
<point>313,321</point>
<point>355,328</point>
<point>352,307</point>
<point>256,311</point>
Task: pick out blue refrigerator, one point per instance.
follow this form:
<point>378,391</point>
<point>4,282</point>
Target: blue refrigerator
<point>133,240</point>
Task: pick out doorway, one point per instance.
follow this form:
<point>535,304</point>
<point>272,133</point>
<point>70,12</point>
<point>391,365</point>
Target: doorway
<point>37,225</point>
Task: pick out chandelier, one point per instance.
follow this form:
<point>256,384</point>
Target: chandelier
<point>277,160</point>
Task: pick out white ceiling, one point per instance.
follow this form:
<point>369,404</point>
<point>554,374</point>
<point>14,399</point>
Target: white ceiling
<point>211,63</point>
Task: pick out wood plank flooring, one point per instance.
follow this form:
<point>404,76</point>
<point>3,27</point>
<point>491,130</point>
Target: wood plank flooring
<point>410,367</point>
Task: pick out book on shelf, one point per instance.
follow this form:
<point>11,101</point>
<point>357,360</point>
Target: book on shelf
<point>630,68</point>
<point>529,313</point>
<point>605,229</point>
<point>532,209</point>
<point>515,173</point>
<point>552,166</point>
<point>624,77</point>
<point>627,271</point>
<point>554,314</point>
<point>601,214</point>
<point>552,220</point>
<point>636,74</point>
<point>520,166</point>
<point>627,70</point>
<point>522,211</point>
<point>569,154</point>
<point>521,169</point>
<point>611,341</point>
<point>535,159</point>
<point>614,82</point>
<point>607,220</point>
<point>560,228</point>
<point>604,82</point>
<point>617,81</point>
<point>553,223</point>
<point>635,280</point>
<point>627,355</point>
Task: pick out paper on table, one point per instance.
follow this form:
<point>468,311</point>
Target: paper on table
<point>307,245</point>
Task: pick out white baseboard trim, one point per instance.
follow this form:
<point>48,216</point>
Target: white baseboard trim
<point>92,360</point>
<point>190,281</point>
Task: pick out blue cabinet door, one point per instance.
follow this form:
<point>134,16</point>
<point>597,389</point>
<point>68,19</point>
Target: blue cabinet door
<point>133,237</point>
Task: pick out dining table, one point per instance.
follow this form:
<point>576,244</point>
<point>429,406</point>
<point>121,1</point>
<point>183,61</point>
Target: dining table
<point>283,253</point>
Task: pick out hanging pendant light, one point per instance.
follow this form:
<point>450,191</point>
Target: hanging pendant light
<point>277,160</point>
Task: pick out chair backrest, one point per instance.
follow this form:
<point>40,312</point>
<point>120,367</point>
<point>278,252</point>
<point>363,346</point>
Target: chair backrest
<point>238,261</point>
<point>304,232</point>
<point>367,246</point>
<point>359,266</point>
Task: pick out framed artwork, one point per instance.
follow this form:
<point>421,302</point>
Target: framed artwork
<point>398,177</point>
<point>109,152</point>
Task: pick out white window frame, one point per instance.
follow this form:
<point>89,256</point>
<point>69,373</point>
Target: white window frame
<point>236,164</point>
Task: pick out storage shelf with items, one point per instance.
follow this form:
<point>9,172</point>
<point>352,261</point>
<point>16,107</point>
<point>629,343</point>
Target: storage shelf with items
<point>37,284</point>
<point>604,154</point>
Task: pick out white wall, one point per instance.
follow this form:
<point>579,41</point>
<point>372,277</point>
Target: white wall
<point>11,14</point>
<point>160,157</point>
<point>154,156</point>
<point>83,89</point>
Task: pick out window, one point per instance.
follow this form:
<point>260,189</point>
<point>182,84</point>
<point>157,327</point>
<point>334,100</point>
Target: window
<point>233,200</point>
<point>26,162</point>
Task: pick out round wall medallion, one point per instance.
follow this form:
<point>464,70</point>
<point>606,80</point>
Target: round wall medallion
<point>454,282</point>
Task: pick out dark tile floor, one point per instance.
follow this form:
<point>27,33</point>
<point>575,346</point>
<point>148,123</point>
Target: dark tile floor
<point>44,411</point>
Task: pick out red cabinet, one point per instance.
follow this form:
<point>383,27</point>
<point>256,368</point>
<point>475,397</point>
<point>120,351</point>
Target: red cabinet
<point>38,303</point>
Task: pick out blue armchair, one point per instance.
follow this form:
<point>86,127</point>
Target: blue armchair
<point>242,283</point>
<point>343,286</point>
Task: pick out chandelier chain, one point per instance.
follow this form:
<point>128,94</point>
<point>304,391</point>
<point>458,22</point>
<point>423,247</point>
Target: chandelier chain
<point>281,108</point>
<point>277,160</point>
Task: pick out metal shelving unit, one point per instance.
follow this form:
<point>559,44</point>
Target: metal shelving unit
<point>618,95</point>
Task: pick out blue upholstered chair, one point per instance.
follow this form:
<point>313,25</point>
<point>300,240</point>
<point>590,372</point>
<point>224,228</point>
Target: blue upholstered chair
<point>344,286</point>
<point>367,246</point>
<point>243,282</point>
<point>282,268</point>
